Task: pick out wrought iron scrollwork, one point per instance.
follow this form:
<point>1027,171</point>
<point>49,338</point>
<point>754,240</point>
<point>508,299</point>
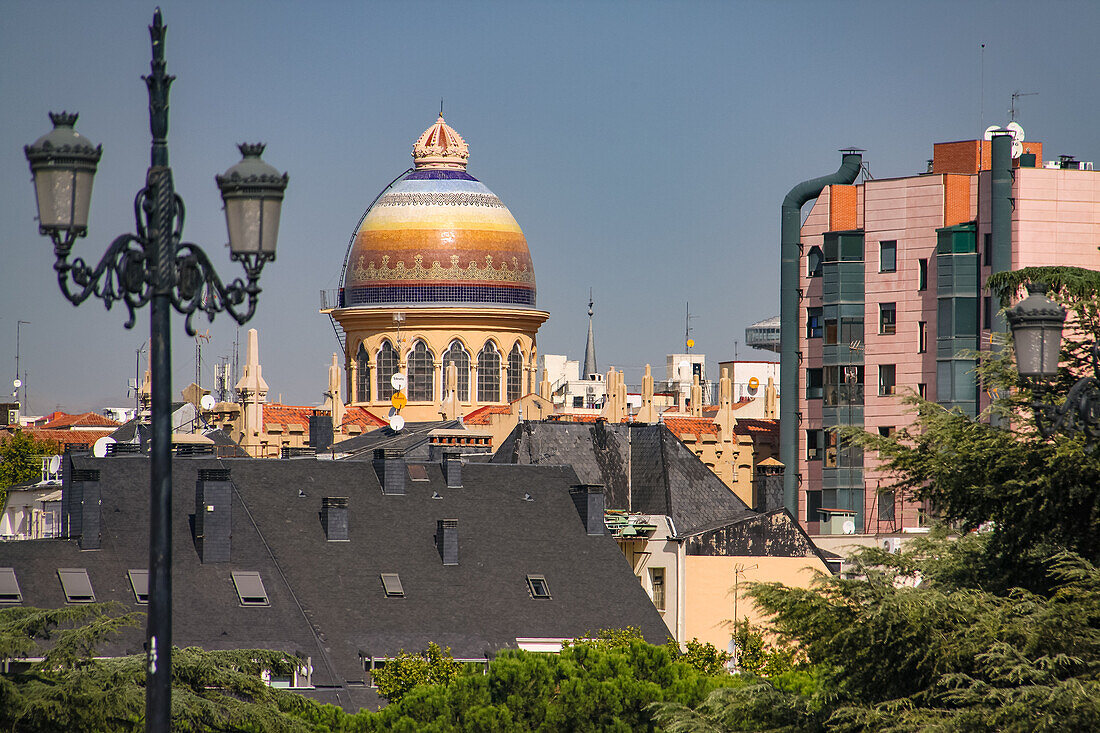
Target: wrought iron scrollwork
<point>127,271</point>
<point>1079,413</point>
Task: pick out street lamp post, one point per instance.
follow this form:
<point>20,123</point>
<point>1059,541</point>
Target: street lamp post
<point>1036,323</point>
<point>155,267</point>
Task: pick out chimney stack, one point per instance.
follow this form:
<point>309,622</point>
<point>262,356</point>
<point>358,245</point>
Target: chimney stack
<point>80,506</point>
<point>446,540</point>
<point>334,518</point>
<point>452,468</point>
<point>389,464</point>
<point>320,430</point>
<point>589,500</point>
<point>214,515</point>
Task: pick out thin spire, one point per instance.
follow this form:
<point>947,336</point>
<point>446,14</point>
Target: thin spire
<point>590,347</point>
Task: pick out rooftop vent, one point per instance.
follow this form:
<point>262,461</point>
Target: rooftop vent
<point>334,518</point>
<point>297,451</point>
<point>116,449</point>
<point>446,540</point>
<point>187,450</point>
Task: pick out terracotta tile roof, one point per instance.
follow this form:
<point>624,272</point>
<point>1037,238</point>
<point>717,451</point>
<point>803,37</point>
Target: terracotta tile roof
<point>694,425</point>
<point>63,421</point>
<point>758,428</point>
<point>298,415</point>
<point>480,416</point>
<point>67,437</point>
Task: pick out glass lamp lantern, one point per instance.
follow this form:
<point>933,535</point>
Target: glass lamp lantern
<point>252,192</point>
<point>63,163</point>
<point>1036,323</point>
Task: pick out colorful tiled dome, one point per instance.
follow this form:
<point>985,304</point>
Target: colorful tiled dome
<point>438,236</point>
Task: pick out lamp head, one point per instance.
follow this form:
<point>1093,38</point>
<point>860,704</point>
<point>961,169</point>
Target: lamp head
<point>1036,323</point>
<point>252,192</point>
<point>63,163</point>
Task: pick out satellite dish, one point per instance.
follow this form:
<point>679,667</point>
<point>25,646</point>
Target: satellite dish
<point>99,448</point>
<point>398,381</point>
<point>1017,148</point>
<point>396,423</point>
<point>990,130</point>
<point>1017,131</point>
<point>849,527</point>
<point>55,464</point>
<point>207,402</point>
<point>17,383</point>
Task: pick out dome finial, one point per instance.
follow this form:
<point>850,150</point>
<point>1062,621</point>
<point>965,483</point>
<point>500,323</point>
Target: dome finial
<point>441,147</point>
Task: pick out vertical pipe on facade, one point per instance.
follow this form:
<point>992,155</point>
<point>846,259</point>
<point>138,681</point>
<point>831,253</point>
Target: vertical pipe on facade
<point>789,274</point>
<point>1000,204</point>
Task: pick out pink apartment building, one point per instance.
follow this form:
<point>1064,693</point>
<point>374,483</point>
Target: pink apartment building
<point>892,294</point>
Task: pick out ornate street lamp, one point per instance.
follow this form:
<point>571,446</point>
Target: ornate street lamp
<point>1036,323</point>
<point>154,266</point>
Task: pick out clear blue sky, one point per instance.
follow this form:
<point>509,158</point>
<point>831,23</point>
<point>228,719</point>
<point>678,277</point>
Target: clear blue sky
<point>643,147</point>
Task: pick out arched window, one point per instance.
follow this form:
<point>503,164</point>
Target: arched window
<point>457,355</point>
<point>488,374</point>
<point>515,373</point>
<point>385,367</point>
<point>421,373</point>
<point>362,391</point>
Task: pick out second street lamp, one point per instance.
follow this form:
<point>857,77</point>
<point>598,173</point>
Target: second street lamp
<point>1036,323</point>
<point>154,266</point>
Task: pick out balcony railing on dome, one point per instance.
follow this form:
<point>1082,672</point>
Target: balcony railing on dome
<point>333,298</point>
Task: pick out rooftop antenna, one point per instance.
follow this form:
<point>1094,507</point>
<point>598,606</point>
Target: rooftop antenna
<point>688,341</point>
<point>199,338</point>
<point>981,88</point>
<point>17,383</point>
<point>1012,107</point>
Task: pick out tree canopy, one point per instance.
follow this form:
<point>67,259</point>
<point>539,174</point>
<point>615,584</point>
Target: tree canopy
<point>19,460</point>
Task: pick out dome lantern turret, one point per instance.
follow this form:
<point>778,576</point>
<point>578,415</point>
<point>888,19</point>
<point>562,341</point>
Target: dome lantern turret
<point>441,147</point>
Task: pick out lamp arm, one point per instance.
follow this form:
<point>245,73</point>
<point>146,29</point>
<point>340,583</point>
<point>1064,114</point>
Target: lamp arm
<point>120,275</point>
<point>1080,413</point>
<point>198,287</point>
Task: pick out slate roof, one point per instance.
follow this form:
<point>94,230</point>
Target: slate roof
<point>327,600</point>
<point>665,476</point>
<point>413,440</point>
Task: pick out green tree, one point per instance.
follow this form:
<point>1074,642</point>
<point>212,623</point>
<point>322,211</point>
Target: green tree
<point>996,630</point>
<point>20,462</point>
<point>603,682</point>
<point>436,666</point>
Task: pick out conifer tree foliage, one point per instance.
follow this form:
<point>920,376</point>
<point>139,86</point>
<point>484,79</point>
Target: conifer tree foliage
<point>69,690</point>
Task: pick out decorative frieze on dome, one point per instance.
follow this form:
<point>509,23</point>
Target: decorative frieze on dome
<point>365,272</point>
<point>448,198</point>
<point>441,147</point>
